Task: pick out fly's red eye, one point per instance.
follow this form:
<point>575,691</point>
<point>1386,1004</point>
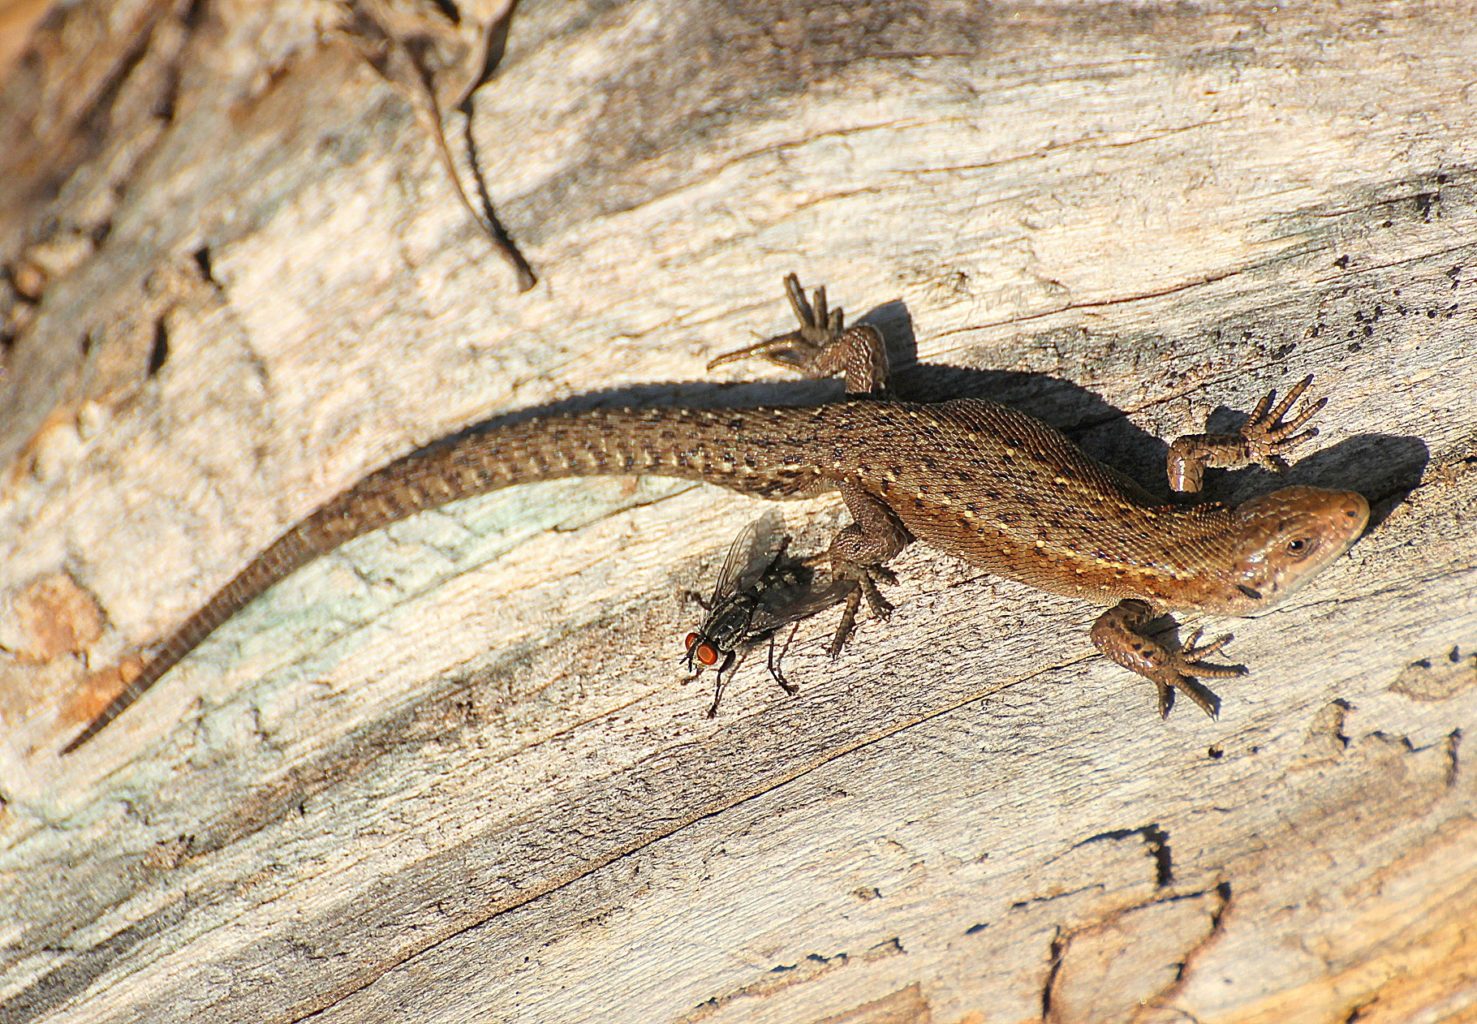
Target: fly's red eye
<point>691,639</point>
<point>707,654</point>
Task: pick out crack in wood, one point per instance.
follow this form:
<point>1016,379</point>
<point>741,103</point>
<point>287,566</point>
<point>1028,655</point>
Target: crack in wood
<point>567,879</point>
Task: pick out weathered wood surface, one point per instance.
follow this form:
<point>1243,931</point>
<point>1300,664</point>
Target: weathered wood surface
<point>449,772</point>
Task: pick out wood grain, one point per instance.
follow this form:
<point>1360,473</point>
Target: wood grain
<point>449,772</point>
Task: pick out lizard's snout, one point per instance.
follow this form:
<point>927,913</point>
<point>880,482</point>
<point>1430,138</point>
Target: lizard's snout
<point>1355,510</point>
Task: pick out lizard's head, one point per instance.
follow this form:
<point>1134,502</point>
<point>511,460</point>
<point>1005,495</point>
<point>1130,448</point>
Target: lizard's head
<point>1286,538</point>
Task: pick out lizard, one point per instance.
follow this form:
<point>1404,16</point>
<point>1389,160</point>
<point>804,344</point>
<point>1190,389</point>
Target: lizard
<point>971,478</point>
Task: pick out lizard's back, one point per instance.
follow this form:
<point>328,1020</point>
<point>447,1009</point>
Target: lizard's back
<point>1006,492</point>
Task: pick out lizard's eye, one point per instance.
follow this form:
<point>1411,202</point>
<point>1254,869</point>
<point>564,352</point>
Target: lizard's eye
<point>1299,547</point>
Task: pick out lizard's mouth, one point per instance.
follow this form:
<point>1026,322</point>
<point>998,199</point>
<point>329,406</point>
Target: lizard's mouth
<point>1292,535</point>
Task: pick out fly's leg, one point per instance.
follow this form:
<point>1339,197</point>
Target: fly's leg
<point>1118,634</point>
<point>721,683</point>
<point>774,662</point>
<point>1263,441</point>
<point>822,346</point>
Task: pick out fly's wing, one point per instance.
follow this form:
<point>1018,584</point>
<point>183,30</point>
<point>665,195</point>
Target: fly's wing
<point>770,616</point>
<point>725,625</point>
<point>743,566</point>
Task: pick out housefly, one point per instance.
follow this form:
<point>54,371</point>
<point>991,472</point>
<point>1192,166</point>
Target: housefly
<point>757,593</point>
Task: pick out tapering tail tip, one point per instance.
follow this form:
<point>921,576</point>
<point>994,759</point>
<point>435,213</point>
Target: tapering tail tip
<point>81,738</point>
<point>92,728</point>
<point>116,707</point>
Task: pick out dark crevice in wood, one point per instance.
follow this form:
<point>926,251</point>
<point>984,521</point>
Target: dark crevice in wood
<point>1058,949</point>
<point>447,8</point>
<point>159,350</point>
<point>1155,838</point>
<point>1157,841</point>
<point>83,967</point>
<point>93,122</point>
<point>203,263</point>
<point>194,14</point>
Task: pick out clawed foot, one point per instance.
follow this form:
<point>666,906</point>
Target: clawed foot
<point>1263,440</point>
<point>1116,634</point>
<point>866,578</point>
<point>822,346</point>
<point>799,349</point>
<point>1267,438</point>
<point>1181,670</point>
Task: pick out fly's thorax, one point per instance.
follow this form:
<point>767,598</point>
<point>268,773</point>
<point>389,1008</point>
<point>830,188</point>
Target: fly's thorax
<point>728,623</point>
<point>1280,541</point>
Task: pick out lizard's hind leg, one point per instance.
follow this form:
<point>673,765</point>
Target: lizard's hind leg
<point>822,346</point>
<point>858,553</point>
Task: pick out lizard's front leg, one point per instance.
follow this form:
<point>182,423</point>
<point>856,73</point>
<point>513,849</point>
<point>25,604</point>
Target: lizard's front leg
<point>1262,440</point>
<point>1118,634</point>
<point>823,346</point>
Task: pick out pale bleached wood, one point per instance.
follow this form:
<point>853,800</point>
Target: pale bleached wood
<point>447,773</point>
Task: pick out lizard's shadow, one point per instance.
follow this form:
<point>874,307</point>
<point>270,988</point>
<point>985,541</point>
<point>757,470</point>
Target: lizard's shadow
<point>1383,467</point>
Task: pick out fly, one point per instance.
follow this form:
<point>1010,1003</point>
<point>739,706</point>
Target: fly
<point>753,598</point>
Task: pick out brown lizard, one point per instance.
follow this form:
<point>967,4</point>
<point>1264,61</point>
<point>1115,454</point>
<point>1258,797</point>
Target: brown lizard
<point>973,479</point>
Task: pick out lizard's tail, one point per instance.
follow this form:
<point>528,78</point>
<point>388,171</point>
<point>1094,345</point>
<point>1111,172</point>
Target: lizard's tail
<point>675,442</point>
<point>289,552</point>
